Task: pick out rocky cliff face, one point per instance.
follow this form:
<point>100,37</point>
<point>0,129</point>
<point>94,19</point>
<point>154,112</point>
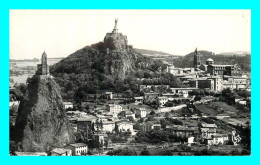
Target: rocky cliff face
<point>115,41</point>
<point>119,64</point>
<point>42,122</point>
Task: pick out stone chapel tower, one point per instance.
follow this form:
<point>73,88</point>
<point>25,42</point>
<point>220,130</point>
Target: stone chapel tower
<point>43,68</point>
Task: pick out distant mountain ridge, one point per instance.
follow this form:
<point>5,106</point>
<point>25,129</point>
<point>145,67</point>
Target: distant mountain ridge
<point>238,53</point>
<point>152,52</point>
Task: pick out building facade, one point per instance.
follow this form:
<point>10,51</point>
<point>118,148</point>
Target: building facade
<point>221,69</point>
<point>162,100</point>
<point>114,108</point>
<point>78,149</point>
<point>124,126</point>
<point>141,112</point>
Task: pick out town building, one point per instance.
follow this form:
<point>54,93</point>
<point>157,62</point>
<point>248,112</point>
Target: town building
<point>148,126</point>
<point>234,82</point>
<point>86,123</point>
<point>124,126</point>
<point>78,149</point>
<point>206,84</point>
<point>139,100</point>
<point>209,61</point>
<point>201,83</point>
<point>68,105</point>
<point>191,140</point>
<point>108,126</point>
<point>220,69</point>
<point>114,108</point>
<point>184,92</point>
<point>174,71</point>
<point>183,131</point>
<point>99,139</point>
<point>150,96</point>
<point>207,130</point>
<point>162,100</point>
<point>218,83</point>
<point>126,113</point>
<point>217,139</point>
<point>109,95</point>
<point>140,113</point>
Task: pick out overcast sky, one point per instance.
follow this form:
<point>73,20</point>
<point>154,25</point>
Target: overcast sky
<point>179,32</point>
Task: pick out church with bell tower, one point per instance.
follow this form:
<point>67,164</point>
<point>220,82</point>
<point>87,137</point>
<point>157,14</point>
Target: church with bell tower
<point>196,62</point>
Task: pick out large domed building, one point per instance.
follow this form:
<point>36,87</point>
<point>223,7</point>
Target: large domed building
<point>209,61</point>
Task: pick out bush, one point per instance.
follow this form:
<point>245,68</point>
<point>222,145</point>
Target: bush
<point>145,153</point>
<point>168,153</point>
<point>122,152</point>
<point>235,152</point>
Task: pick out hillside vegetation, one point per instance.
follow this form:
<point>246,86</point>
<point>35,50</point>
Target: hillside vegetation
<point>92,70</point>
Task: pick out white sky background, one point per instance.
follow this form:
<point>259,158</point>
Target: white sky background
<point>179,32</point>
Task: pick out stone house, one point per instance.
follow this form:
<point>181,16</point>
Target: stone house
<point>78,148</point>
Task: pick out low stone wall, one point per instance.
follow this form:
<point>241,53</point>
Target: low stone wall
<point>168,109</point>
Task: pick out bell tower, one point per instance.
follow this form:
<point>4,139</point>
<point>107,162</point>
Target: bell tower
<point>196,62</point>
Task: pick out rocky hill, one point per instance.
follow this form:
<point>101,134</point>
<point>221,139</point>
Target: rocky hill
<point>93,69</point>
<point>110,65</point>
<point>42,123</point>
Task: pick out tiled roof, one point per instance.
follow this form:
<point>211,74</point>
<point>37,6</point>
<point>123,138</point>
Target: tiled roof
<point>87,118</point>
<point>60,150</point>
<point>78,145</point>
<point>137,98</point>
<point>209,125</point>
<point>123,122</point>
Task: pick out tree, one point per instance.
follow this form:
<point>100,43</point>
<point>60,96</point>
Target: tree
<point>197,98</point>
<point>97,125</point>
<point>145,153</point>
<point>152,113</point>
<point>228,96</point>
<point>168,153</point>
<point>122,152</point>
<point>106,143</point>
<point>131,118</point>
<point>163,123</point>
<point>235,152</point>
<point>101,124</point>
<point>12,148</point>
<point>78,137</point>
<point>168,104</point>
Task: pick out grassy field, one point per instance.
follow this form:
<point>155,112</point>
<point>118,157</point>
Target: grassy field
<point>207,110</point>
